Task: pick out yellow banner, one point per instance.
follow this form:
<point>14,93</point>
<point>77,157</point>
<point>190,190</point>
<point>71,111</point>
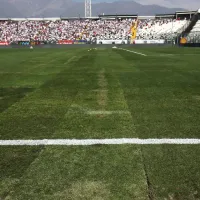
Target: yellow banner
<point>134,30</point>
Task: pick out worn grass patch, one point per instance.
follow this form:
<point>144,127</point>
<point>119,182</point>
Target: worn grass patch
<point>96,190</point>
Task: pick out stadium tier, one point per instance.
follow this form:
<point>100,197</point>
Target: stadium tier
<point>194,34</point>
<point>161,28</point>
<point>115,28</point>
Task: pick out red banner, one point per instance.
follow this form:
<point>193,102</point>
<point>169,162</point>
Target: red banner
<point>65,42</point>
<point>4,43</point>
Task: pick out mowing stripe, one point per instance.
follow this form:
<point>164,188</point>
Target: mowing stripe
<point>133,52</point>
<point>86,142</point>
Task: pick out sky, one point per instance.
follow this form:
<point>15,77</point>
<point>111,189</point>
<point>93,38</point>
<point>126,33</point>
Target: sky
<point>187,4</point>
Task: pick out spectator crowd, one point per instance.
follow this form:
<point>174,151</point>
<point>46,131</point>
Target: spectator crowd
<point>86,29</point>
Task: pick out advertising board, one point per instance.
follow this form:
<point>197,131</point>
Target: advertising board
<point>149,41</point>
<point>65,42</point>
<point>112,42</point>
<point>4,43</point>
<point>24,43</point>
<point>33,43</point>
<point>80,41</point>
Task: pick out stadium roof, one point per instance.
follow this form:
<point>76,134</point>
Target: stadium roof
<point>118,16</point>
<point>177,13</point>
<point>74,18</point>
<point>186,12</point>
<point>165,15</point>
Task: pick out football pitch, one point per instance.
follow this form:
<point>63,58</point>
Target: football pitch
<point>94,125</point>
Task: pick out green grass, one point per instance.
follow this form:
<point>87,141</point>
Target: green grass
<point>49,93</point>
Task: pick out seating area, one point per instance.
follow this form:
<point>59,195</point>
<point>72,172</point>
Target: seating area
<point>48,30</point>
<point>194,35</point>
<point>161,29</point>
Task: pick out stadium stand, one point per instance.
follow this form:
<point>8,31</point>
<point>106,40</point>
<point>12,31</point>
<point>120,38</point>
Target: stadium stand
<point>166,27</point>
<point>190,36</point>
<point>160,29</point>
<point>194,35</point>
<point>86,29</point>
<point>63,29</point>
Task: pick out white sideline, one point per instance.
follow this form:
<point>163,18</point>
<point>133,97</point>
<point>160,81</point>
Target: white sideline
<point>86,142</point>
<point>133,52</point>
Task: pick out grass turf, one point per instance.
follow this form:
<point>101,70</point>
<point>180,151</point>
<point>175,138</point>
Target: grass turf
<point>51,93</point>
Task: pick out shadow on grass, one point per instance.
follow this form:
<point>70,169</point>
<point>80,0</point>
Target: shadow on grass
<point>9,96</point>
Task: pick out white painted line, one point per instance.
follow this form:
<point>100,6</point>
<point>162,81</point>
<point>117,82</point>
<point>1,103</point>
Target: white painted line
<point>133,52</point>
<point>170,55</point>
<point>98,112</point>
<point>69,60</point>
<point>104,112</point>
<point>86,142</point>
